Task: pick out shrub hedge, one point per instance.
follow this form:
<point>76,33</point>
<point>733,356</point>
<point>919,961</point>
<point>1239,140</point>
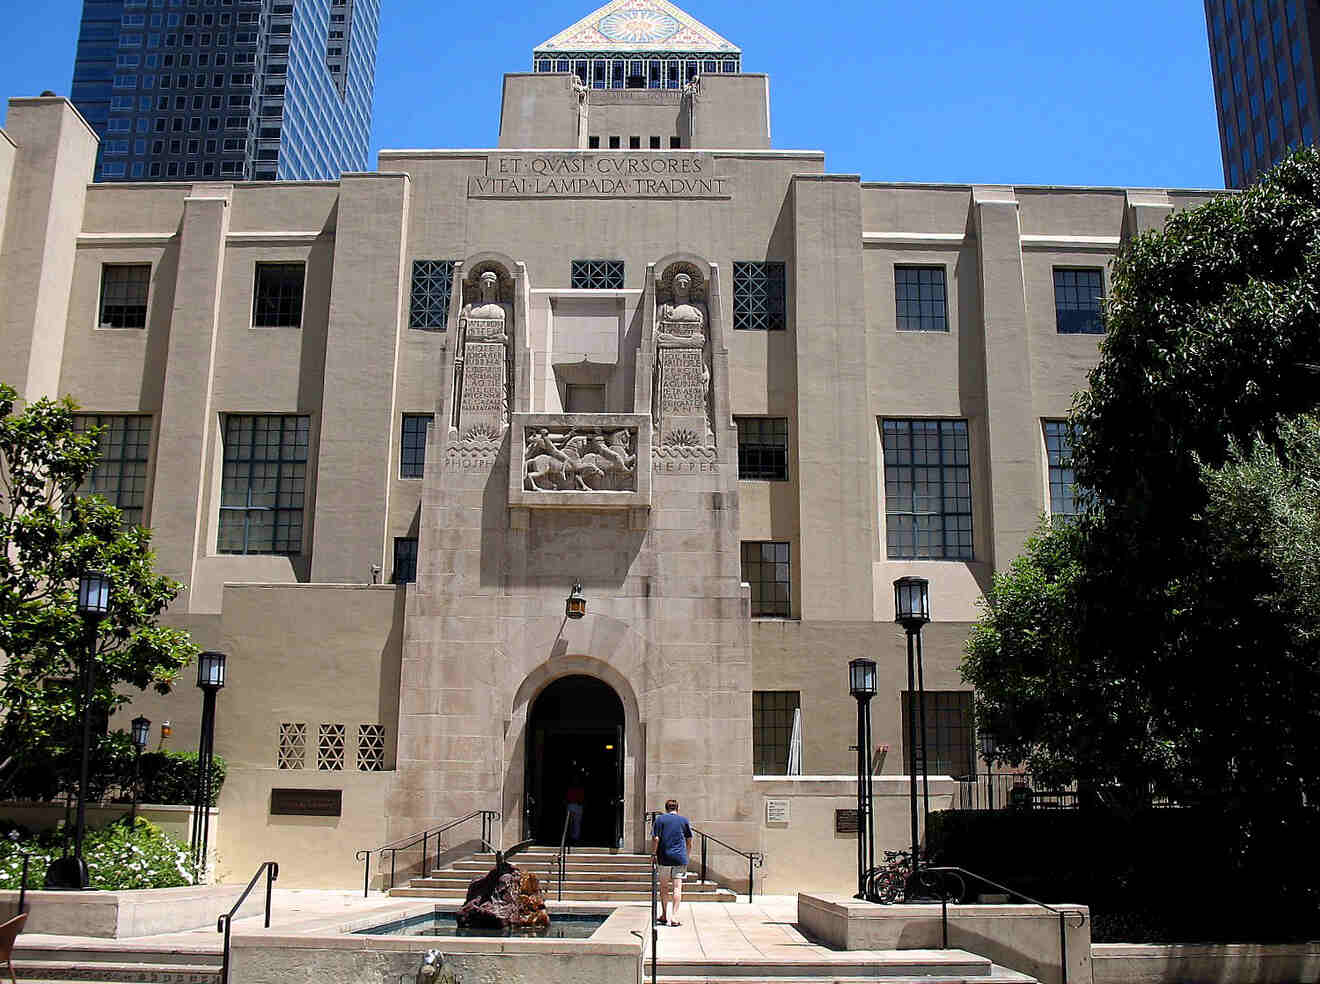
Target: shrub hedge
<point>119,856</point>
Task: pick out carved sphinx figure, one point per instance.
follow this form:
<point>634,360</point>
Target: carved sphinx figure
<point>587,462</point>
<point>682,321</point>
<point>486,319</point>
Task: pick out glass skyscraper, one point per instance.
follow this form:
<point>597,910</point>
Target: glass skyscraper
<point>228,89</point>
<point>1263,61</point>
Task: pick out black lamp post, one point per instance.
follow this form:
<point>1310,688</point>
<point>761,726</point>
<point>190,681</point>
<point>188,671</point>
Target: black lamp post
<point>989,749</point>
<point>141,731</point>
<point>575,606</point>
<point>912,611</point>
<point>93,605</point>
<point>861,684</point>
<point>210,679</point>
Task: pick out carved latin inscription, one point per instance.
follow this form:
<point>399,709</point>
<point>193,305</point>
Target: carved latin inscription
<point>683,382</point>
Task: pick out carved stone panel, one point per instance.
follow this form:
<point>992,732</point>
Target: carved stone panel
<point>484,406</point>
<point>683,395</point>
<point>580,459</point>
<point>682,372</point>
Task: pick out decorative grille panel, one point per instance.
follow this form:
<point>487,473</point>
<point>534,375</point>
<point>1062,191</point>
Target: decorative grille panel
<point>758,296</point>
<point>596,275</point>
<point>293,745</point>
<point>371,748</point>
<point>432,287</point>
<point>330,748</point>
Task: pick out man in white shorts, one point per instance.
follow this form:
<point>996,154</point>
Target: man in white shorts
<point>671,843</point>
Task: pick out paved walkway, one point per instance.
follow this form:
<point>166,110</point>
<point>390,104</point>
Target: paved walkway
<point>764,931</point>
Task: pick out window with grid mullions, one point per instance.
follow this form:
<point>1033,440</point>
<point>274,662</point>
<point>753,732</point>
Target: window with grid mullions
<point>949,745</point>
<point>432,288</point>
<point>405,560</point>
<point>120,472</point>
<point>765,567</point>
<point>124,295</point>
<point>596,275</point>
<point>1077,298</point>
<point>412,453</point>
<point>1063,480</point>
<point>928,489</point>
<point>763,448</point>
<point>758,296</point>
<point>772,730</point>
<point>921,298</point>
<point>277,295</point>
<point>264,483</point>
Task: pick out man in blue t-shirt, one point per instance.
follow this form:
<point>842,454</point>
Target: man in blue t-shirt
<point>671,841</point>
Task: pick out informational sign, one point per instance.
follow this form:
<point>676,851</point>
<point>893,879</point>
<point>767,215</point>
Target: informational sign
<point>587,174</point>
<point>846,821</point>
<point>777,812</point>
<point>306,802</point>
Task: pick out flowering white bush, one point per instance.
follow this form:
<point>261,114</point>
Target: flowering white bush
<point>118,857</point>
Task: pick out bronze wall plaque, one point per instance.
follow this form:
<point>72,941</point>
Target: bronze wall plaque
<point>306,802</point>
<point>846,821</point>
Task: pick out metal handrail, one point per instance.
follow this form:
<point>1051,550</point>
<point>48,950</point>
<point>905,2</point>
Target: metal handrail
<point>22,884</point>
<point>754,858</point>
<point>563,857</point>
<point>959,873</point>
<point>488,820</point>
<point>271,870</point>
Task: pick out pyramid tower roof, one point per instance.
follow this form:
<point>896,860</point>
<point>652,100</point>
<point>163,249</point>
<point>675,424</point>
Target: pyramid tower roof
<point>629,26</point>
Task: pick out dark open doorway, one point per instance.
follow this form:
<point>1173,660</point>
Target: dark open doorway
<point>575,751</point>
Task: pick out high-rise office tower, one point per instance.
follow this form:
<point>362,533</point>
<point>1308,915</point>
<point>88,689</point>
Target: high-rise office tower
<point>1263,61</point>
<point>227,89</point>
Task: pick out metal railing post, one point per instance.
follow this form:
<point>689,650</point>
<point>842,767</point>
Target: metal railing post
<point>272,872</point>
<point>655,933</point>
<point>425,835</point>
<point>224,959</point>
<point>365,858</point>
<point>751,883</point>
<point>22,885</point>
<point>703,857</point>
<point>393,855</point>
<point>1063,950</point>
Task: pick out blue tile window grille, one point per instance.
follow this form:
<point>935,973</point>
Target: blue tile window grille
<point>758,296</point>
<point>928,489</point>
<point>1063,480</point>
<point>1077,298</point>
<point>596,275</point>
<point>405,560</point>
<point>432,287</point>
<point>412,454</point>
<point>920,293</point>
<point>120,472</point>
<point>264,484</point>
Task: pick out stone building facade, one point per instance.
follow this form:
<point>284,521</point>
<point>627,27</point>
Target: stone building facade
<point>384,423</point>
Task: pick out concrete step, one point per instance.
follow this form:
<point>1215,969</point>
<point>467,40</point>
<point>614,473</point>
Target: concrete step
<point>120,973</point>
<point>114,952</point>
<point>925,965</point>
<point>836,978</point>
<point>860,970</point>
<point>573,863</point>
<point>550,884</point>
<point>574,895</point>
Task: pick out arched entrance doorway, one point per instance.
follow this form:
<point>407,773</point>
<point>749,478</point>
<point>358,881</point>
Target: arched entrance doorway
<point>575,736</point>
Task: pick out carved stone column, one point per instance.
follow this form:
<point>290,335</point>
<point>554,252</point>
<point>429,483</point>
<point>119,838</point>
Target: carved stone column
<point>682,387</point>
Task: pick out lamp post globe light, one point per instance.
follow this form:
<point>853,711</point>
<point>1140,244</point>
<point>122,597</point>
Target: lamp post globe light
<point>861,685</point>
<point>575,606</point>
<point>141,732</point>
<point>912,611</point>
<point>93,604</point>
<point>210,680</point>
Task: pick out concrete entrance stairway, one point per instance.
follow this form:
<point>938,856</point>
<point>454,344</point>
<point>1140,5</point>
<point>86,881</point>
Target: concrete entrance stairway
<point>114,964</point>
<point>592,875</point>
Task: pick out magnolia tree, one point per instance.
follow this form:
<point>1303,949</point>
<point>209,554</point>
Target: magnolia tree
<point>49,536</point>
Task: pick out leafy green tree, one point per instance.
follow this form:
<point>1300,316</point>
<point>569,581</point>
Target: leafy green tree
<point>50,535</point>
<point>1170,652</point>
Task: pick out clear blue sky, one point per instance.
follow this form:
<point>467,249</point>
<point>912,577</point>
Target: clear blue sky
<point>1114,93</point>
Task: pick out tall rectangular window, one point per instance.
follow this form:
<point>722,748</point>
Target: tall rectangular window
<point>928,489</point>
<point>405,560</point>
<point>264,484</point>
<point>432,286</point>
<point>763,448</point>
<point>920,294</point>
<point>596,275</point>
<point>765,567</point>
<point>412,453</point>
<point>949,745</point>
<point>124,295</point>
<point>758,296</point>
<point>277,295</point>
<point>120,472</point>
<point>772,730</point>
<point>1063,482</point>
<point>1077,297</point>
